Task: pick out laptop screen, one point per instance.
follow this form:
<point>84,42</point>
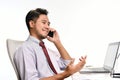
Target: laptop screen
<point>111,55</point>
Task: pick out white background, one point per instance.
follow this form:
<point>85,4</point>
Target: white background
<point>86,27</point>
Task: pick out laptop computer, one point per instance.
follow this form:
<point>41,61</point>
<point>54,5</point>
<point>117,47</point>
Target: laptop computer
<point>109,61</point>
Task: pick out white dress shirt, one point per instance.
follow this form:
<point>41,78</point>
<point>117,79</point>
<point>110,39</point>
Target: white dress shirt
<point>31,62</point>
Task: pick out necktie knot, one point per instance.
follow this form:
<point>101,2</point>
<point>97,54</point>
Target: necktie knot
<point>42,44</point>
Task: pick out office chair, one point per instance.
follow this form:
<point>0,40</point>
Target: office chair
<point>12,45</point>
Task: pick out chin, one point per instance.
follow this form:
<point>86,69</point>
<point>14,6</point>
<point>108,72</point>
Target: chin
<point>43,37</point>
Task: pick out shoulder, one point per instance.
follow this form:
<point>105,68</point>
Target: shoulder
<point>25,49</point>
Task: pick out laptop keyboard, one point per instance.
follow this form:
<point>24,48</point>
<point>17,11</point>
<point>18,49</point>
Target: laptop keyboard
<point>94,70</point>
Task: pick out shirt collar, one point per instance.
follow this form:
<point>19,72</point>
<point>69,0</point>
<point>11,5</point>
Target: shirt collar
<point>33,39</point>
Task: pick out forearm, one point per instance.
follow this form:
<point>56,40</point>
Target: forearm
<point>62,50</point>
<point>59,76</point>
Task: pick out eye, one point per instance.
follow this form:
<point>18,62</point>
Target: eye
<point>43,22</point>
<point>48,23</point>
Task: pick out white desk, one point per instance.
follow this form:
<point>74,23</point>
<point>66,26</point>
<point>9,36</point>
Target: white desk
<point>93,76</point>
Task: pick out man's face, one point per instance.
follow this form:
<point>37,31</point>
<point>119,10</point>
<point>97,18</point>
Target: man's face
<point>41,27</point>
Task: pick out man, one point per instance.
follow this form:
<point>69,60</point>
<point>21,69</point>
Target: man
<point>30,59</point>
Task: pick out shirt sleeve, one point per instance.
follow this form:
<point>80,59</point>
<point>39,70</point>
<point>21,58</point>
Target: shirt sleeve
<point>26,64</point>
<point>63,63</point>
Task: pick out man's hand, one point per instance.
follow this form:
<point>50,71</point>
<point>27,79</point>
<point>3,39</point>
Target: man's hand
<point>55,37</point>
<point>71,68</point>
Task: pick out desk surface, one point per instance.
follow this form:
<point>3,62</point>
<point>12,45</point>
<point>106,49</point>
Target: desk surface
<point>92,76</point>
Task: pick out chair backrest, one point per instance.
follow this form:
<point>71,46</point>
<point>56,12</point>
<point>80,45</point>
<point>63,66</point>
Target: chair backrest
<point>12,45</point>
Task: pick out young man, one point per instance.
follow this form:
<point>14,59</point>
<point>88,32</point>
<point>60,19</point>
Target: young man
<point>30,60</point>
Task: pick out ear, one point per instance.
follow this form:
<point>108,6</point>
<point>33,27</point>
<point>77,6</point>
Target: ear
<point>32,23</point>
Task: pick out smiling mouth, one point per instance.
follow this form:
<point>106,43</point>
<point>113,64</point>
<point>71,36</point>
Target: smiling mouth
<point>46,31</point>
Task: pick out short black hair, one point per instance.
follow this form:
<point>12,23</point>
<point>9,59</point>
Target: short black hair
<point>34,15</point>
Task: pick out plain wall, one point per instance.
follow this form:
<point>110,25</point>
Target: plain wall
<point>86,27</point>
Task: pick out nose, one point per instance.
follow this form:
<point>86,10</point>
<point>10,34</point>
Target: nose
<point>47,26</point>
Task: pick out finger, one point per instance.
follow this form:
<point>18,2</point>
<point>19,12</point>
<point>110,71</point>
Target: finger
<point>85,56</point>
<point>82,58</point>
<point>48,37</point>
<point>52,29</point>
